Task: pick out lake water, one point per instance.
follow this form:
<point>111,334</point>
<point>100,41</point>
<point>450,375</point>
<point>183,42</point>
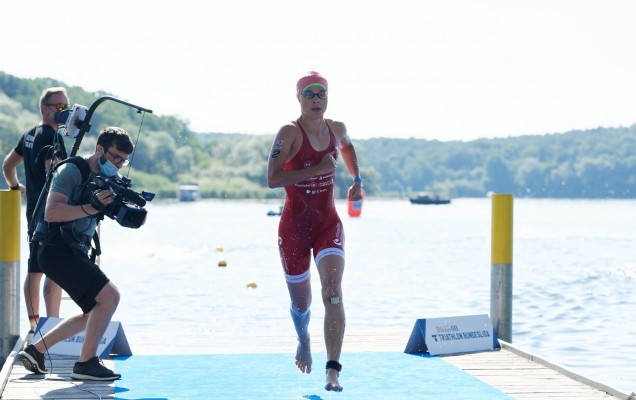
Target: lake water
<point>574,273</point>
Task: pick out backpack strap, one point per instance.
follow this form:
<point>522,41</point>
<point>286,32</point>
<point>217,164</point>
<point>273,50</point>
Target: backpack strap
<point>85,171</point>
<point>96,250</point>
<point>81,164</point>
<point>38,212</point>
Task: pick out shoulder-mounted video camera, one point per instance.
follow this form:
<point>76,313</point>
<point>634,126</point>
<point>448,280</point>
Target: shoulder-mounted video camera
<point>127,204</point>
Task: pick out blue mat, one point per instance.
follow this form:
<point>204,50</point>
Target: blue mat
<point>274,376</point>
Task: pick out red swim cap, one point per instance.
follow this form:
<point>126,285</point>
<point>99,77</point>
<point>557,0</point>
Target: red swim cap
<point>312,78</point>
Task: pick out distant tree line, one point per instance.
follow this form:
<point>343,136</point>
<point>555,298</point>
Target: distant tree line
<point>598,163</point>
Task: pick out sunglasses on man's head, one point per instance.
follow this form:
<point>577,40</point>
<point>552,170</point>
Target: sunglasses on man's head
<point>59,106</point>
<point>308,94</point>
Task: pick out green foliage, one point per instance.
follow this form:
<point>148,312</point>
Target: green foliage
<point>157,184</point>
<point>598,163</point>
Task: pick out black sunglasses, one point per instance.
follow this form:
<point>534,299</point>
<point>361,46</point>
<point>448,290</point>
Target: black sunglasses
<point>308,94</point>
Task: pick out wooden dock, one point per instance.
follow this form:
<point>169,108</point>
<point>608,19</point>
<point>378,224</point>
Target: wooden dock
<point>514,372</point>
<point>524,376</point>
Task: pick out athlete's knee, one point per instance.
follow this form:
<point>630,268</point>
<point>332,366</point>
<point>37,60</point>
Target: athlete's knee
<point>332,295</point>
<point>298,309</point>
<point>301,316</point>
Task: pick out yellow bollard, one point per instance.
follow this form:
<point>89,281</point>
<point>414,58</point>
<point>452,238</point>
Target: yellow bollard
<point>501,246</point>
<point>9,271</point>
<point>9,225</point>
<point>501,268</point>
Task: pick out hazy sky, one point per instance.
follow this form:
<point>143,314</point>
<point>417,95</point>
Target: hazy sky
<point>446,69</point>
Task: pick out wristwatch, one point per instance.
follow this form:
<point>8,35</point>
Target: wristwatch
<point>16,187</point>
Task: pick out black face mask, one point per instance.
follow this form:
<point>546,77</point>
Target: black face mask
<point>61,116</point>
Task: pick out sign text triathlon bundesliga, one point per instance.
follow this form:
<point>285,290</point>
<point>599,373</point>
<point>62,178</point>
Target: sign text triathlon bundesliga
<point>455,334</point>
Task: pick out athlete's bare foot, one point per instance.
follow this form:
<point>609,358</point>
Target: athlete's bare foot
<point>303,355</point>
<point>333,372</point>
<point>332,381</point>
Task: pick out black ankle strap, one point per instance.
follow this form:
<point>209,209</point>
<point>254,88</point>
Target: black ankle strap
<point>334,365</point>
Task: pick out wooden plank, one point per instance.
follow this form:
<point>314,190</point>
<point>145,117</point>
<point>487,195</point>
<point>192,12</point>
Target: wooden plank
<point>522,378</point>
<point>57,384</point>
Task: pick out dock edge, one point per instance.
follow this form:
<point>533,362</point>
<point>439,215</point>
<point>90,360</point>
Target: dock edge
<point>567,372</point>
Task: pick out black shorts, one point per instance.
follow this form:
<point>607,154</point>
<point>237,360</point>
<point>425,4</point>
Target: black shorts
<point>34,265</point>
<point>70,268</point>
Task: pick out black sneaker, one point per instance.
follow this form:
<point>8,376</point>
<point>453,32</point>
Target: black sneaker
<point>32,359</point>
<point>93,370</point>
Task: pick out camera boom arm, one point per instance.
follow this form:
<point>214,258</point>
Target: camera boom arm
<point>86,126</point>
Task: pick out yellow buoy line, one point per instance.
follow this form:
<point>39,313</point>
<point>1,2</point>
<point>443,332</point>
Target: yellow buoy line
<point>223,263</point>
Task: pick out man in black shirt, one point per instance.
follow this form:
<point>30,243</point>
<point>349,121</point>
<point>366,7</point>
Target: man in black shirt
<point>40,147</point>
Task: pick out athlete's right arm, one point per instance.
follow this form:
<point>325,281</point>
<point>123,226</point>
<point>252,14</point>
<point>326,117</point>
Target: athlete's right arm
<point>285,146</point>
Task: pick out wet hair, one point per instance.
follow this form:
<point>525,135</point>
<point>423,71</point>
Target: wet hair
<point>112,135</point>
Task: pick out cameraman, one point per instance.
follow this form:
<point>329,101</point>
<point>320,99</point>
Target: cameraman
<point>72,216</point>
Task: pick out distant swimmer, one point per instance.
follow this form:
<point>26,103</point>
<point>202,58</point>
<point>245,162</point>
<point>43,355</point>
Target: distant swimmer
<point>303,161</point>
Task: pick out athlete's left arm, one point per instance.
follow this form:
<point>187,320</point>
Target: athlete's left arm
<point>350,159</point>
